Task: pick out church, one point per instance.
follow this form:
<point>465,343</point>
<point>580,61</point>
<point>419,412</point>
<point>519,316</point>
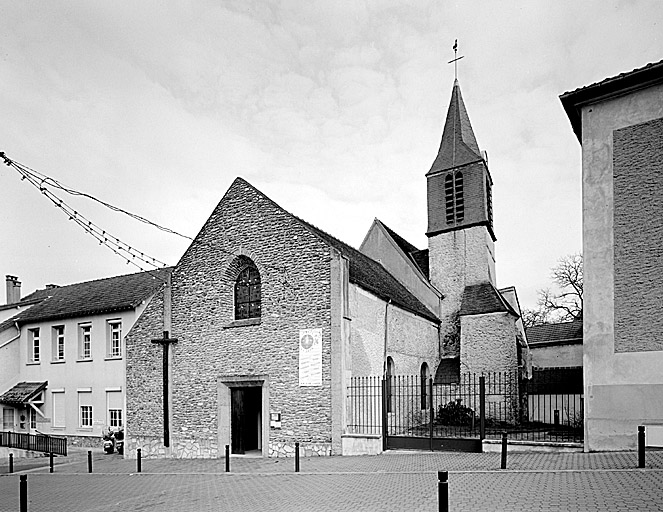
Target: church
<point>254,337</point>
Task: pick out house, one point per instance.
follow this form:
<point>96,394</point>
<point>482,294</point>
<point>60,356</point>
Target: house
<point>556,345</point>
<point>62,355</point>
<point>267,318</point>
<point>619,124</point>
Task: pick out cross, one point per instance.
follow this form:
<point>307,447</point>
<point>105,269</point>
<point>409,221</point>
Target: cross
<point>165,341</point>
<point>456,59</point>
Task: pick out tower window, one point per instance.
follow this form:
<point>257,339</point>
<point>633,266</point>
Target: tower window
<point>453,198</point>
<point>489,202</point>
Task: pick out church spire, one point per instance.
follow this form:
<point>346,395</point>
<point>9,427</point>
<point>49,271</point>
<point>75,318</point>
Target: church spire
<point>459,145</point>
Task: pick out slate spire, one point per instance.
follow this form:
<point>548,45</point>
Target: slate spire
<point>459,145</point>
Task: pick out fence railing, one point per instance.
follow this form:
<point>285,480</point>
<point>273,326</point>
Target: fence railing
<point>34,442</point>
<point>547,407</point>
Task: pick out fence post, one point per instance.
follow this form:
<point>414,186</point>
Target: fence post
<point>51,461</point>
<point>641,446</point>
<point>482,407</point>
<point>138,461</point>
<point>432,410</point>
<point>296,457</point>
<point>443,491</point>
<point>23,493</point>
<point>11,462</point>
<point>227,458</point>
<point>89,461</point>
<point>504,448</point>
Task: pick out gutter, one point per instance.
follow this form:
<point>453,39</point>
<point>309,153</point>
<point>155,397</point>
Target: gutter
<point>14,338</point>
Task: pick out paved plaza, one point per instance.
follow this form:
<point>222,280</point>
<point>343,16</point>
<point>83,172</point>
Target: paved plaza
<point>393,481</point>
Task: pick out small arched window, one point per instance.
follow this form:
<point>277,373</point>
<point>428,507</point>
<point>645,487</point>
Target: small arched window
<point>247,293</point>
<point>424,376</point>
<point>391,384</point>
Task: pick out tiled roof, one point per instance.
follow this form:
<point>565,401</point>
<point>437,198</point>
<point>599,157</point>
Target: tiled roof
<point>22,392</point>
<point>482,298</point>
<point>28,300</point>
<point>112,294</point>
<point>419,257</point>
<point>565,332</point>
<point>638,78</point>
<point>459,145</point>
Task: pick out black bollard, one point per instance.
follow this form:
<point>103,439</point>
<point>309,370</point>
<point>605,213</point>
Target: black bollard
<point>11,462</point>
<point>296,457</point>
<point>23,493</point>
<point>227,458</point>
<point>504,439</point>
<point>443,491</point>
<point>89,461</point>
<point>138,461</point>
<point>50,456</point>
<point>641,446</point>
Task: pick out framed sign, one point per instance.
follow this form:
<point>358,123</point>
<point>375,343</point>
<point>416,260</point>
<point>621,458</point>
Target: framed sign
<point>310,357</point>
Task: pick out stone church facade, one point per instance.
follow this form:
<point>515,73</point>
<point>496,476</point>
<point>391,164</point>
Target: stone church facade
<point>273,316</point>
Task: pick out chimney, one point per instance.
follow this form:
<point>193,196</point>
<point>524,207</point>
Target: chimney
<point>13,289</point>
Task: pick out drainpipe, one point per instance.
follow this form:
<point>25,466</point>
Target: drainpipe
<point>386,336</point>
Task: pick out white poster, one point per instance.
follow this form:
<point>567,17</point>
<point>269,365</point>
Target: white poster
<point>310,357</point>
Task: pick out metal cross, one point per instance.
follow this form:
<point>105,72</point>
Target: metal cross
<point>165,341</point>
<point>456,59</point>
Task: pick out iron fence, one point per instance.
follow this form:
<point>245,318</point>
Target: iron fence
<point>34,442</point>
<point>548,407</point>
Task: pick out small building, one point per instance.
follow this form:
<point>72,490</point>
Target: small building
<point>557,345</point>
<point>62,355</point>
<point>619,124</point>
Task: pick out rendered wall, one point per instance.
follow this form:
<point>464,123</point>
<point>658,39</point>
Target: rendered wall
<point>556,356</point>
<point>622,389</point>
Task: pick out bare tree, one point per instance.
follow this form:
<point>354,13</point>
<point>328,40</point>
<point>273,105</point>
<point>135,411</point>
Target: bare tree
<point>565,304</point>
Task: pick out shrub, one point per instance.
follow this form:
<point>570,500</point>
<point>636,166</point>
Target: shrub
<point>454,413</point>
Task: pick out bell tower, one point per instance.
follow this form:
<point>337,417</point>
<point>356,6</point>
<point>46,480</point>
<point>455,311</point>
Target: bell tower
<point>460,233</point>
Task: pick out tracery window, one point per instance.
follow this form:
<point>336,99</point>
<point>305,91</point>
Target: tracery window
<point>247,293</point>
<point>453,198</point>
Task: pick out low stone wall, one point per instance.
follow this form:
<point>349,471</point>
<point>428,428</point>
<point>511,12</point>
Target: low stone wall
<point>361,444</point>
<point>305,449</point>
<point>152,447</point>
<point>85,442</point>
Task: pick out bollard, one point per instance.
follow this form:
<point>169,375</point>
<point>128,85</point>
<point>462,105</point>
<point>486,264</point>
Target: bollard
<point>11,462</point>
<point>50,455</point>
<point>443,491</point>
<point>227,458</point>
<point>23,493</point>
<point>89,461</point>
<point>641,446</point>
<point>138,461</point>
<point>504,439</point>
<point>296,457</point>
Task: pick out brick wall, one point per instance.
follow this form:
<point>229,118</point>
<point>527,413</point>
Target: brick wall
<point>638,228</point>
<point>295,273</point>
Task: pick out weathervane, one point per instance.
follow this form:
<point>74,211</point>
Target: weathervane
<point>456,59</point>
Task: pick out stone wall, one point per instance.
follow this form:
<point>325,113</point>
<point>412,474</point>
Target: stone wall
<point>294,266</point>
<point>488,343</point>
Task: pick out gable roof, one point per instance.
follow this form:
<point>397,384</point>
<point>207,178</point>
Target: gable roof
<point>459,145</point>
<point>624,83</point>
<point>113,294</point>
<point>363,271</point>
<point>418,257</point>
<point>559,333</point>
<point>22,392</point>
<point>482,298</point>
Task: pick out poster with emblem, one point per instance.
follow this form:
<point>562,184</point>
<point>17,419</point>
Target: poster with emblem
<point>310,357</point>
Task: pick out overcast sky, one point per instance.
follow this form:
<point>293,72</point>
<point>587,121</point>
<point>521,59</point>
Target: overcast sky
<point>334,109</point>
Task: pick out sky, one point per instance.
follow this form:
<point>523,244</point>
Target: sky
<point>334,109</point>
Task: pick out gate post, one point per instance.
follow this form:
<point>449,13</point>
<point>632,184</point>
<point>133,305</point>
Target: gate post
<point>482,407</point>
<point>384,415</point>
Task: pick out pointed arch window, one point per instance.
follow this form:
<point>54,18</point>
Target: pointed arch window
<point>424,376</point>
<point>391,384</point>
<point>453,197</point>
<point>248,293</point>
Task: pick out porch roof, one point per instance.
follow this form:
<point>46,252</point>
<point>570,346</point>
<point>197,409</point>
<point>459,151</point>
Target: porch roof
<point>22,392</point>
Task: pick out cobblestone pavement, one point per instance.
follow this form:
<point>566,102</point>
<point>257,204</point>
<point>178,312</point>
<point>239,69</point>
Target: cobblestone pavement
<point>388,482</point>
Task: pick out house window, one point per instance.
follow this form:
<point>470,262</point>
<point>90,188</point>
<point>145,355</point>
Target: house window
<point>114,405</point>
<point>33,419</point>
<point>85,341</point>
<point>114,338</point>
<point>424,375</point>
<point>33,344</point>
<point>85,408</point>
<point>7,419</point>
<point>247,293</point>
<point>58,409</point>
<point>58,343</point>
<point>454,203</point>
<point>391,384</point>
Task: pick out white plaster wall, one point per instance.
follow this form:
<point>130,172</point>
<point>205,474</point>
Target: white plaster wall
<point>621,390</point>
<point>557,356</point>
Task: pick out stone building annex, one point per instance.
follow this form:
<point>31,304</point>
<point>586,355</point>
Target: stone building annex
<point>266,318</point>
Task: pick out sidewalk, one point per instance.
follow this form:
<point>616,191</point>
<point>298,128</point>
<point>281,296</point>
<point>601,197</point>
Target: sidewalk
<point>391,481</point>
